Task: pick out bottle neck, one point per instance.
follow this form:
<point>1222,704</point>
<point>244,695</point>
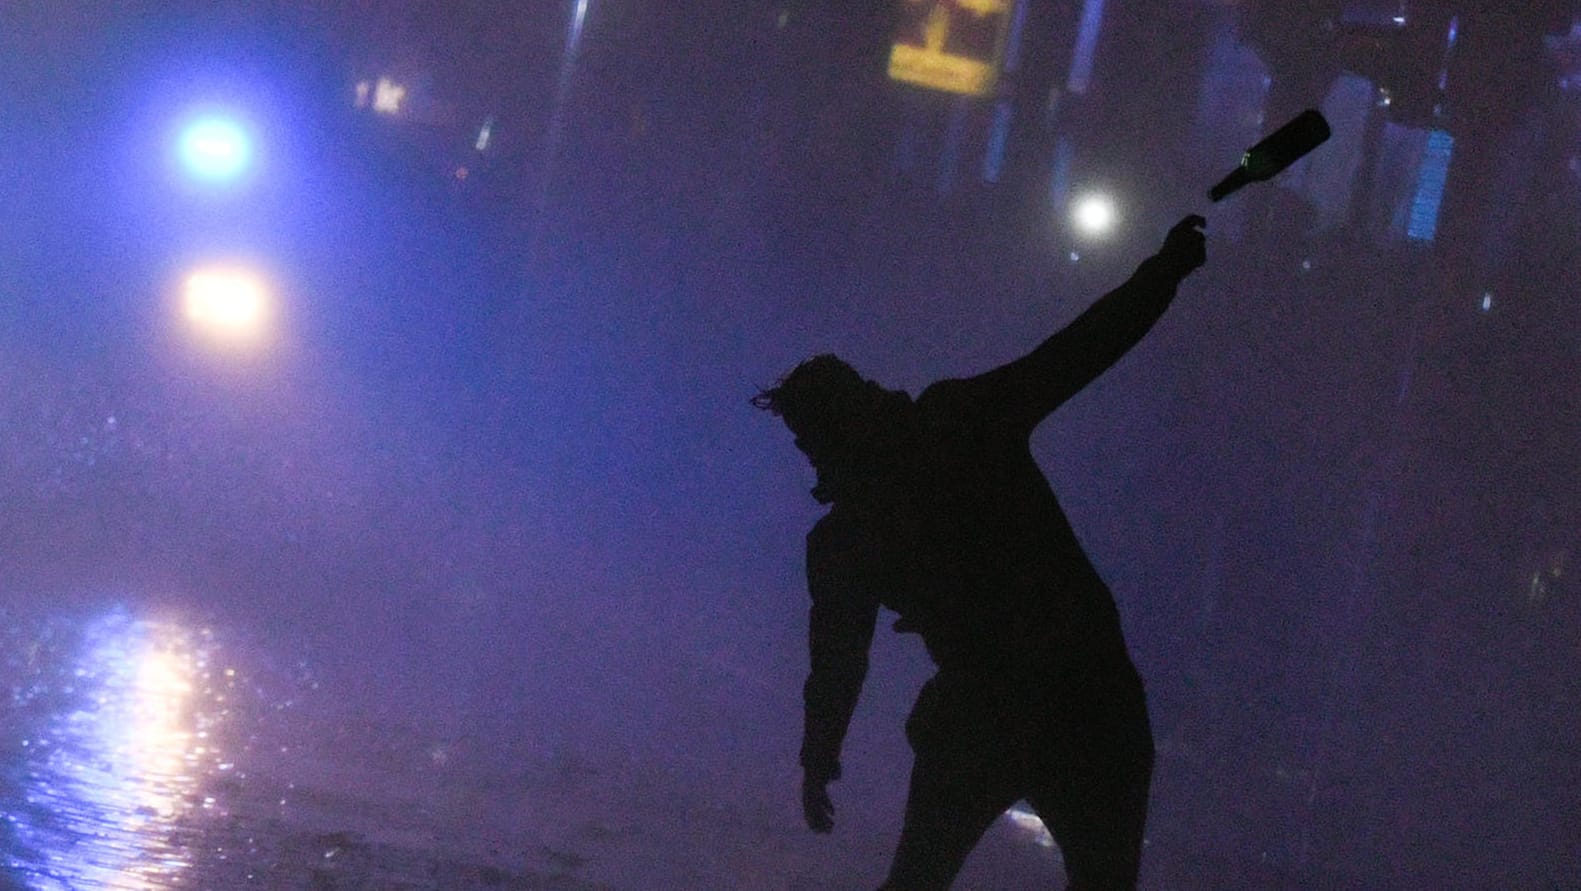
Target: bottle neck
<point>1238,177</point>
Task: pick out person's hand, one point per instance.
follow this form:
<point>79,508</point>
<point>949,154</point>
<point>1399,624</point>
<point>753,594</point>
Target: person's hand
<point>816,806</point>
<point>1185,247</point>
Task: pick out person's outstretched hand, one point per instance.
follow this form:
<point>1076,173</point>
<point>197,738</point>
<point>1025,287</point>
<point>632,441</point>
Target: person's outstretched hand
<point>1185,247</point>
<point>816,806</point>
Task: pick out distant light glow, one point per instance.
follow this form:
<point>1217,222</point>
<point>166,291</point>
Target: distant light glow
<point>215,148</point>
<point>1018,21</point>
<point>484,135</point>
<point>1060,177</point>
<point>388,96</point>
<point>227,301</point>
<point>1094,215</point>
<point>578,21</point>
<point>1487,301</point>
<point>998,140</point>
<point>1449,50</point>
<point>1432,177</point>
<point>364,88</point>
<point>551,144</point>
<point>1086,46</point>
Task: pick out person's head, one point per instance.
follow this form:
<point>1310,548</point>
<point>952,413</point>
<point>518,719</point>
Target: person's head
<point>839,419</point>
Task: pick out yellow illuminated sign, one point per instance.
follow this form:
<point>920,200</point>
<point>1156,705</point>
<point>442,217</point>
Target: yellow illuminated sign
<point>951,45</point>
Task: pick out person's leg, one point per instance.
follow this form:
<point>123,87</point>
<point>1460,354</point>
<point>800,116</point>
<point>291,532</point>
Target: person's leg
<point>948,809</point>
<point>963,778</point>
<point>1090,787</point>
<point>1098,821</point>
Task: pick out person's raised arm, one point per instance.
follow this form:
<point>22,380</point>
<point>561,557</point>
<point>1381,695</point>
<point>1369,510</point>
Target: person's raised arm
<point>1023,392</point>
<point>840,631</point>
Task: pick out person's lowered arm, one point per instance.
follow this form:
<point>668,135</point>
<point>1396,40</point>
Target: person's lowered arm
<point>840,632</point>
<point>1027,390</point>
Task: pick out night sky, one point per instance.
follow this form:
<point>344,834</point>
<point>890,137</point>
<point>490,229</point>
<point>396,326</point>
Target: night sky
<point>474,565</point>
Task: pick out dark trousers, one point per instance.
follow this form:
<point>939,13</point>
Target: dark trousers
<point>1077,748</point>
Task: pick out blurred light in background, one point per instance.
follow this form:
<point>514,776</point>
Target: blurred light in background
<point>388,96</point>
<point>1432,177</point>
<point>1094,215</point>
<point>998,141</point>
<point>1060,180</point>
<point>215,148</point>
<point>230,302</point>
<point>578,21</point>
<point>1086,47</point>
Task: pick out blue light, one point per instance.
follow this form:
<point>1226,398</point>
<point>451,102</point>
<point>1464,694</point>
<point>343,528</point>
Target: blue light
<point>1086,47</point>
<point>998,139</point>
<point>1059,180</point>
<point>215,149</point>
<point>1018,23</point>
<point>1431,178</point>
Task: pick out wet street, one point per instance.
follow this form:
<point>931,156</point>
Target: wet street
<point>139,755</point>
<point>142,753</point>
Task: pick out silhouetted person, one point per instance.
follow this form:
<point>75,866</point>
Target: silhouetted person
<point>939,512</point>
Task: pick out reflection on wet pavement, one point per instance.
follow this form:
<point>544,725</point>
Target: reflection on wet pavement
<point>136,758</point>
<point>144,751</point>
<point>118,744</point>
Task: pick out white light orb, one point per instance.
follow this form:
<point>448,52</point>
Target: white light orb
<point>226,301</point>
<point>1094,215</point>
<point>215,149</point>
